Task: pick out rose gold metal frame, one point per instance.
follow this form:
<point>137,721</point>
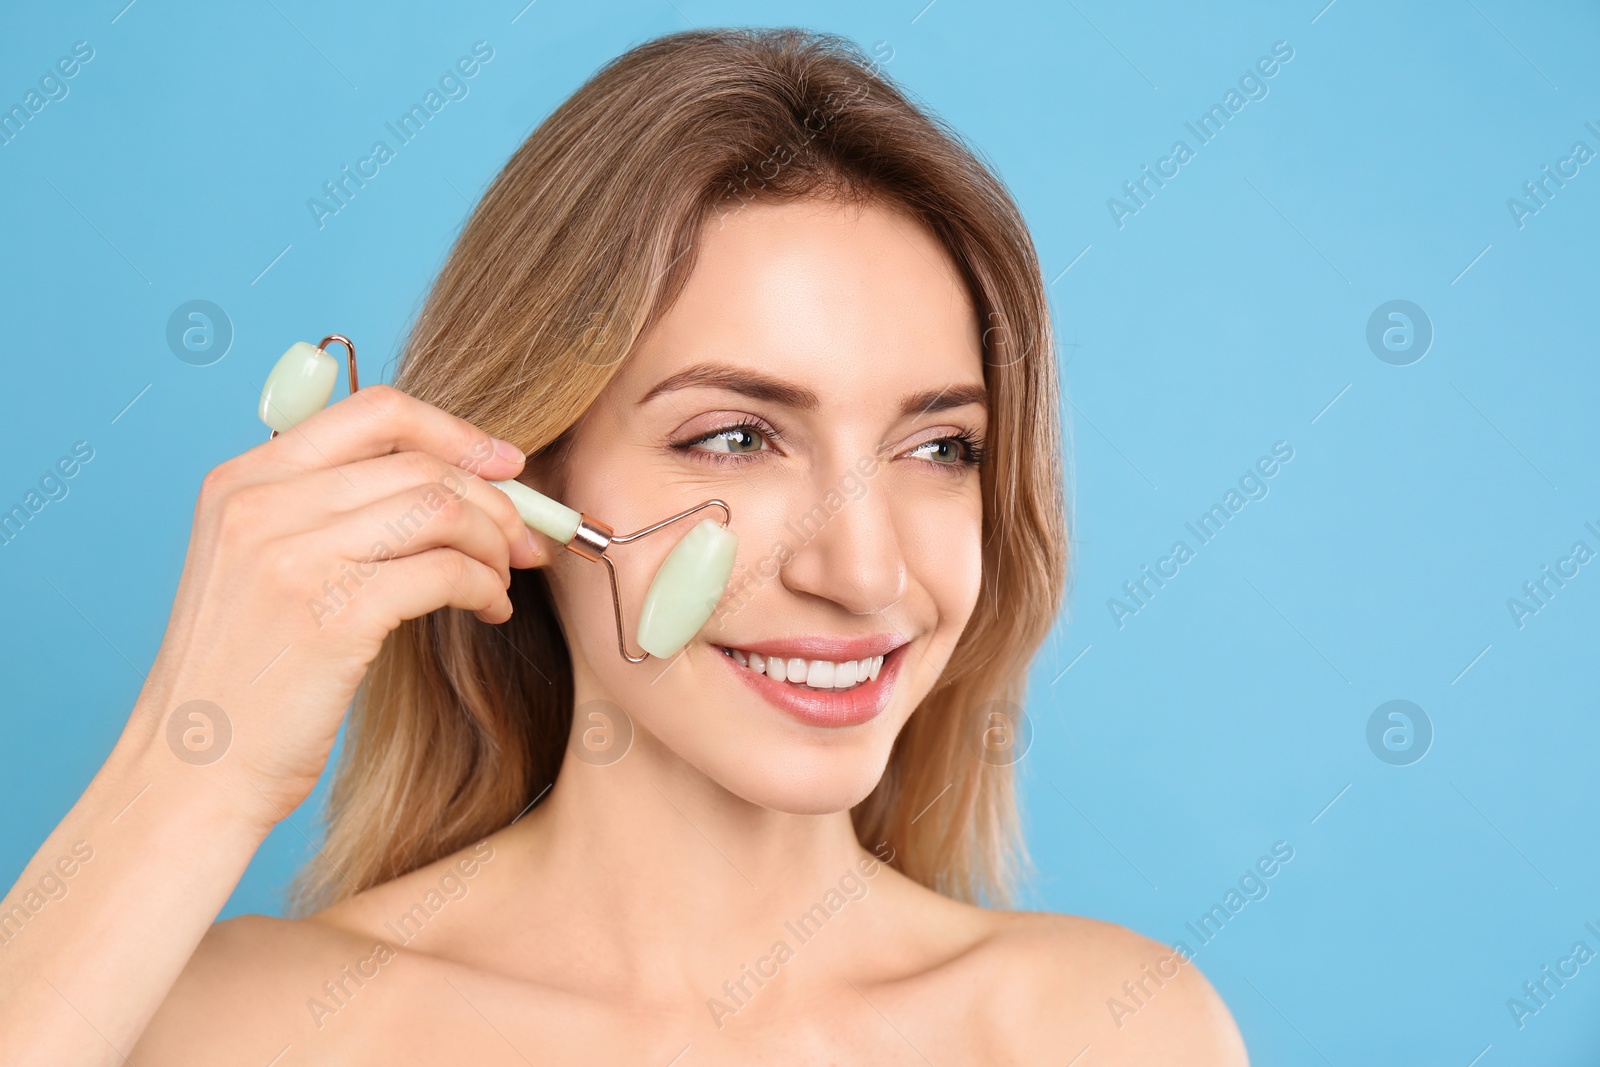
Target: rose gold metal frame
<point>594,537</point>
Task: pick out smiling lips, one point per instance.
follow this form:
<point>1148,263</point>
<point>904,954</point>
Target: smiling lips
<point>821,682</point>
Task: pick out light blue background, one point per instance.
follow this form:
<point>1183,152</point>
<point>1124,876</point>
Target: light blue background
<point>1226,315</point>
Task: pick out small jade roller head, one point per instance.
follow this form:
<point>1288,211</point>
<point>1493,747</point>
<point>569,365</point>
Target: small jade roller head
<point>685,590</point>
<point>301,382</point>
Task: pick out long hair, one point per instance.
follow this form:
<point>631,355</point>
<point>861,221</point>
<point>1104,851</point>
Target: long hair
<point>582,241</point>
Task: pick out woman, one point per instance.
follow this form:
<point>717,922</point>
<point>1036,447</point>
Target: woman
<point>734,265</point>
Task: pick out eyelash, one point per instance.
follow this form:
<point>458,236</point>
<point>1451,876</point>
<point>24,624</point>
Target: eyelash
<point>972,445</point>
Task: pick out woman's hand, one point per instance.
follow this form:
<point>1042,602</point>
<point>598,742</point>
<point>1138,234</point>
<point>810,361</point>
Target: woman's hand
<point>306,551</point>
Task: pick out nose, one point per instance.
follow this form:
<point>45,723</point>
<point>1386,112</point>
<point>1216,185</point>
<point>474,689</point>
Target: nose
<point>847,547</point>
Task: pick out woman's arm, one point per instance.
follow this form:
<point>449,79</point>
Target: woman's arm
<point>306,552</point>
<point>109,909</point>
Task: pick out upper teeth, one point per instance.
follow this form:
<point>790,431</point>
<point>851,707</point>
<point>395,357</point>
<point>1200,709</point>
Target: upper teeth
<point>816,673</point>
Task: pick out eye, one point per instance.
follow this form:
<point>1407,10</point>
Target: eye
<point>962,449</point>
<point>735,440</point>
<point>946,450</point>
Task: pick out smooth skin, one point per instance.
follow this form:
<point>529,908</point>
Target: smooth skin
<point>635,915</point>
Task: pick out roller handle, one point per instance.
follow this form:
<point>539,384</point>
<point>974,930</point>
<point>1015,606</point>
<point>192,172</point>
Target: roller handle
<point>549,517</point>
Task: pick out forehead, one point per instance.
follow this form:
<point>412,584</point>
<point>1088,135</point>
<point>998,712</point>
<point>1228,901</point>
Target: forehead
<point>837,295</point>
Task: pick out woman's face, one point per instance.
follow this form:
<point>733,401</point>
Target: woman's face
<point>822,374</point>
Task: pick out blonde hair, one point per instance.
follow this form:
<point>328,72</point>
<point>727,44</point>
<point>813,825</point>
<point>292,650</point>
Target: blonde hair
<point>579,245</point>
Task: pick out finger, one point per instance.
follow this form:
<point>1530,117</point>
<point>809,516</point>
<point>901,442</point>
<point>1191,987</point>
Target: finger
<point>395,473</point>
<point>379,419</point>
<point>415,520</point>
<point>321,497</point>
<point>437,578</point>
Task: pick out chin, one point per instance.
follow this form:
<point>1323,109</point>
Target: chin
<point>782,776</point>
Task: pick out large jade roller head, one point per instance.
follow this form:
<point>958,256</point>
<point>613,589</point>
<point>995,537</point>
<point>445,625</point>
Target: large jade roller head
<point>685,590</point>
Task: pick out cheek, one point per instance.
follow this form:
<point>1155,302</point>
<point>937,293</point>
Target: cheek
<point>773,524</point>
<point>943,544</point>
<point>577,587</point>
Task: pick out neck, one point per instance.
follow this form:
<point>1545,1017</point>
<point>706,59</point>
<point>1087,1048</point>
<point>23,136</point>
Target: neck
<point>648,867</point>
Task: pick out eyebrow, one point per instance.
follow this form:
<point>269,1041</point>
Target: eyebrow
<point>763,387</point>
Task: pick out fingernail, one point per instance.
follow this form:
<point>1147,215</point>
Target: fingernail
<point>508,451</point>
<point>533,540</point>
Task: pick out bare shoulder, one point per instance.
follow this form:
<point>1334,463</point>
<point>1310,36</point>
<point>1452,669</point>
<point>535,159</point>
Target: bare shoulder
<point>1041,987</point>
<point>257,987</point>
<point>1072,982</point>
<point>243,995</point>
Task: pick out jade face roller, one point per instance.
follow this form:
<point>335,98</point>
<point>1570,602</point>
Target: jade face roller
<point>685,590</point>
